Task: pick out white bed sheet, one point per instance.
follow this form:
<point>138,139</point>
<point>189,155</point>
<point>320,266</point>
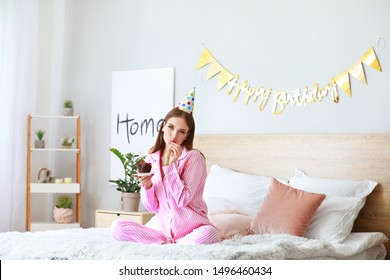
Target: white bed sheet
<point>98,244</point>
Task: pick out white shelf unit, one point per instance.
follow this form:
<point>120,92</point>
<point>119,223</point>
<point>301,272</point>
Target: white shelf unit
<point>51,188</point>
<point>54,188</point>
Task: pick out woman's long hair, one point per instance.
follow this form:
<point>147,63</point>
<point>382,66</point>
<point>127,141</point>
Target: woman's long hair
<point>159,145</point>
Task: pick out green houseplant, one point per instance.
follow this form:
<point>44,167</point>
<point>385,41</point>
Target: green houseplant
<point>63,212</point>
<point>66,142</point>
<point>40,133</point>
<point>40,143</point>
<point>128,185</point>
<point>68,107</point>
<point>64,202</point>
<point>68,103</point>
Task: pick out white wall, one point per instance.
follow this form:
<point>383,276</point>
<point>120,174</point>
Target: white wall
<point>278,44</point>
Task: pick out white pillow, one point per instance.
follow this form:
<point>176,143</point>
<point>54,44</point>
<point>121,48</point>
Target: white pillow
<point>334,219</point>
<point>242,191</point>
<point>332,187</point>
<point>219,204</point>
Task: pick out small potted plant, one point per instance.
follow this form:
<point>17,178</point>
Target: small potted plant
<point>63,212</point>
<point>40,143</point>
<point>68,107</point>
<point>66,142</point>
<point>128,185</point>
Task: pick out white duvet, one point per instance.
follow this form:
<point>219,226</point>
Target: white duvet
<point>97,244</point>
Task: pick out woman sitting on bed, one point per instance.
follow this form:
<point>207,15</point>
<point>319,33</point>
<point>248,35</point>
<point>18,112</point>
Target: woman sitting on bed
<point>175,190</point>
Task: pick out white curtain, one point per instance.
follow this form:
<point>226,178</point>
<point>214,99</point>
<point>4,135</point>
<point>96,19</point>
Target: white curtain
<point>19,22</point>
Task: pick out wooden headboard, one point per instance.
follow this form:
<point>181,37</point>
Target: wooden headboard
<point>339,156</point>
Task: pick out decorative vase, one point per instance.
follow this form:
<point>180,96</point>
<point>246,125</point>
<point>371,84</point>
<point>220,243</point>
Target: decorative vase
<point>63,215</point>
<point>130,201</point>
<point>68,111</point>
<point>66,146</point>
<point>39,144</point>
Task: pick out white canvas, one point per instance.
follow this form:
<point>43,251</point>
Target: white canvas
<point>140,100</point>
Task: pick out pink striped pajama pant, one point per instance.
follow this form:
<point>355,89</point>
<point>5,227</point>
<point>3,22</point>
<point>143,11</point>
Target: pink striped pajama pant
<point>131,231</point>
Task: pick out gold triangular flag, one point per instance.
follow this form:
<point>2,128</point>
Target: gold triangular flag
<point>214,69</point>
<point>205,58</point>
<point>357,71</point>
<point>343,81</point>
<point>369,58</point>
<point>224,78</point>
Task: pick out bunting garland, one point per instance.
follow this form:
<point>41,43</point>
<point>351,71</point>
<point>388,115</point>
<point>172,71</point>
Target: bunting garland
<point>282,98</point>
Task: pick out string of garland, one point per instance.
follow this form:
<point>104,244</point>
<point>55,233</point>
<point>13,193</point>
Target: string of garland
<point>282,98</point>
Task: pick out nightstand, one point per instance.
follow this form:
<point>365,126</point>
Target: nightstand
<point>104,218</point>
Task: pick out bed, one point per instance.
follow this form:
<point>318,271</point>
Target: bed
<point>352,169</point>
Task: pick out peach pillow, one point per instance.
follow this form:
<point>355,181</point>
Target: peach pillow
<point>286,210</point>
<point>231,223</point>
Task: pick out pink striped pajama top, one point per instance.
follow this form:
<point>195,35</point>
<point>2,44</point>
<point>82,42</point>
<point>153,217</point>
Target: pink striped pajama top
<point>177,201</point>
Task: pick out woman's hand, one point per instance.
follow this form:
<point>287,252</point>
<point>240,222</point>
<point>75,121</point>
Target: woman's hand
<point>176,151</point>
<point>145,180</point>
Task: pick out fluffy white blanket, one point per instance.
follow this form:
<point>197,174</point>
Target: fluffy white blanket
<point>97,244</point>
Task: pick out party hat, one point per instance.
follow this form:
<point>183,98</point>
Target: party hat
<point>187,103</point>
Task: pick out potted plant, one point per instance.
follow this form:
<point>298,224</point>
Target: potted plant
<point>66,142</point>
<point>128,185</point>
<point>63,212</point>
<point>40,143</point>
<point>68,107</point>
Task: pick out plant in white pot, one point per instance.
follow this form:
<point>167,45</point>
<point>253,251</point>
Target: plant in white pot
<point>128,185</point>
<point>40,143</point>
<point>66,142</point>
<point>68,107</point>
<point>63,212</point>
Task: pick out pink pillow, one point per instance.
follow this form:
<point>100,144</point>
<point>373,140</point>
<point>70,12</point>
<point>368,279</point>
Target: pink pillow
<point>286,210</point>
